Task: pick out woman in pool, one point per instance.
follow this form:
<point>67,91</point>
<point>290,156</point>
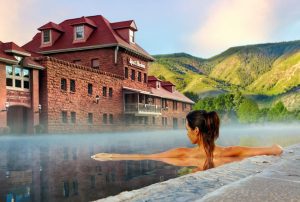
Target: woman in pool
<point>202,129</point>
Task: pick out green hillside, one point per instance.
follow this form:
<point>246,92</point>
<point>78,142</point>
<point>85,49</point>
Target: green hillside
<point>186,73</point>
<point>265,69</point>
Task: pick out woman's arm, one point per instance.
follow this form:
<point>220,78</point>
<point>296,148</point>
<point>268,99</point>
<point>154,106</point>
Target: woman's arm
<point>252,151</point>
<point>172,153</point>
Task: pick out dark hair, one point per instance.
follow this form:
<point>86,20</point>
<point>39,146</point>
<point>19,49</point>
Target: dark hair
<point>208,124</point>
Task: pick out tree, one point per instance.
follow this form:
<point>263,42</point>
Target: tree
<point>193,96</point>
<point>248,111</point>
<point>278,112</point>
<point>237,99</point>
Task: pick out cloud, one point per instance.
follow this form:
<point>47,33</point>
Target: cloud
<point>232,23</point>
<point>12,21</point>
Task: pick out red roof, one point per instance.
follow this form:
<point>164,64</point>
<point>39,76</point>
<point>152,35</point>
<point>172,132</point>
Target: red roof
<point>124,24</point>
<point>103,36</point>
<point>84,20</point>
<point>11,47</point>
<point>51,25</point>
<point>29,62</point>
<point>8,50</point>
<point>5,56</point>
<point>161,92</point>
<point>153,78</point>
<point>167,83</point>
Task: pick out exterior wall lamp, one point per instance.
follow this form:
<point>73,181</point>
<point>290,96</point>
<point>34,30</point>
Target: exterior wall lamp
<point>40,109</point>
<point>97,99</point>
<point>6,107</point>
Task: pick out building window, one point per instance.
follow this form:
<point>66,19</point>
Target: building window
<point>63,84</point>
<point>174,105</point>
<point>140,76</point>
<point>64,117</point>
<point>153,120</point>
<point>146,120</point>
<point>90,89</point>
<point>104,91</point>
<point>157,84</point>
<point>111,119</point>
<point>126,72</point>
<point>183,121</point>
<point>132,74</point>
<point>90,118</point>
<point>164,103</point>
<point>72,85</point>
<point>17,78</point>
<point>79,32</point>
<point>104,120</point>
<point>145,78</point>
<point>164,121</point>
<point>46,36</point>
<point>73,117</point>
<point>66,189</point>
<point>183,106</point>
<point>110,92</point>
<point>131,36</point>
<point>95,63</point>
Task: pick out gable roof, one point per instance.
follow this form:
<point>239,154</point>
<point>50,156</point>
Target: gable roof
<point>8,50</point>
<point>163,93</point>
<point>51,25</point>
<point>102,36</point>
<point>124,24</point>
<point>84,20</point>
<point>11,47</point>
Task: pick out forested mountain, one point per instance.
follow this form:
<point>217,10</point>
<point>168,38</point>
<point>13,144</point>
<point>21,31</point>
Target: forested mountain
<point>263,69</point>
<point>269,69</point>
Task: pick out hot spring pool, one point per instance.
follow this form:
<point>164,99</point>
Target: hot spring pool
<point>59,167</point>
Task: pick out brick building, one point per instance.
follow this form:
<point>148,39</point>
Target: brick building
<point>84,75</point>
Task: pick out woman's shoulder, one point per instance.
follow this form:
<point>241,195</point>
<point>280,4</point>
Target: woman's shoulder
<point>228,151</point>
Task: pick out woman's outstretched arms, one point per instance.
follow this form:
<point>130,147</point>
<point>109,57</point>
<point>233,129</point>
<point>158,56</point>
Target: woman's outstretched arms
<point>251,151</point>
<point>172,153</point>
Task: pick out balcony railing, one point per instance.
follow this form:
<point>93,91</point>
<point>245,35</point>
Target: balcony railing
<point>142,109</point>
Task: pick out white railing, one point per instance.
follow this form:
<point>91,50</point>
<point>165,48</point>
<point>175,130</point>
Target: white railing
<point>142,108</point>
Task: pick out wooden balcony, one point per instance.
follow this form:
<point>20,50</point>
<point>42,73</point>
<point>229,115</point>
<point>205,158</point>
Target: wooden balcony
<point>140,109</point>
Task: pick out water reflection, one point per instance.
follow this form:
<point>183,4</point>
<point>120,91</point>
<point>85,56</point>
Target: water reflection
<point>55,169</point>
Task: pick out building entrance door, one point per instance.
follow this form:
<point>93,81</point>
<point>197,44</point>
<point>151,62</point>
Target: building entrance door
<point>17,119</point>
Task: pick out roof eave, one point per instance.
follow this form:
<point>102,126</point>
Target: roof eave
<point>94,47</point>
<point>18,52</point>
<point>9,61</point>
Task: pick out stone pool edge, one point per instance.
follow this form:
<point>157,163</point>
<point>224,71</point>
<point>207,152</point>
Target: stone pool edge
<point>210,185</point>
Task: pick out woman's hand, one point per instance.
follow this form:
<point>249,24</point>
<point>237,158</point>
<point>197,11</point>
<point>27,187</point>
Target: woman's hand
<point>103,156</point>
<point>277,149</point>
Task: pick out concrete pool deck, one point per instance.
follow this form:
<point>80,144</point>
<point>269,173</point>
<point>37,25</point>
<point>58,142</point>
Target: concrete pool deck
<point>260,178</point>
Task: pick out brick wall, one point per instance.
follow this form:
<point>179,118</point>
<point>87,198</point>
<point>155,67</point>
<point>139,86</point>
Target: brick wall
<point>57,100</point>
<point>106,58</point>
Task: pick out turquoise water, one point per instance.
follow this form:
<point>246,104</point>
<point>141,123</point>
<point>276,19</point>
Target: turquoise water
<point>59,167</point>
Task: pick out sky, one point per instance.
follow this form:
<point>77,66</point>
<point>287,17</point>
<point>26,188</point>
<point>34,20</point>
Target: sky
<point>202,28</point>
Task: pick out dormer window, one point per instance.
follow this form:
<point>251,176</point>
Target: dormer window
<point>131,36</point>
<point>79,32</point>
<point>157,84</point>
<point>46,36</point>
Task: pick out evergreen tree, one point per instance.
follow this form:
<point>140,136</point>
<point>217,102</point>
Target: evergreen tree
<point>248,111</point>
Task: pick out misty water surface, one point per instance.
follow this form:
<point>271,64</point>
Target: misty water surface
<point>59,167</point>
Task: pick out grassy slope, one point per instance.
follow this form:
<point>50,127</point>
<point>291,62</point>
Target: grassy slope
<point>266,69</point>
<point>284,75</point>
